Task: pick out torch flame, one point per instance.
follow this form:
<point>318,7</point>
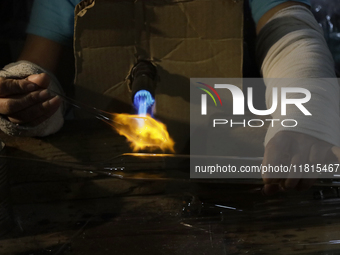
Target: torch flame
<point>143,132</point>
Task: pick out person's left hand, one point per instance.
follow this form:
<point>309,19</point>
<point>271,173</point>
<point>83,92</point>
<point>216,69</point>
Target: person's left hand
<point>292,148</point>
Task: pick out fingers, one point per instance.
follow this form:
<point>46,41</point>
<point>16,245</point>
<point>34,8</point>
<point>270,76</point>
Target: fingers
<point>301,151</point>
<point>335,152</point>
<point>27,101</point>
<point>37,113</point>
<point>305,184</point>
<point>320,153</point>
<point>32,108</point>
<point>10,106</point>
<point>41,80</point>
<point>300,157</point>
<point>276,153</point>
<point>271,189</point>
<point>11,87</point>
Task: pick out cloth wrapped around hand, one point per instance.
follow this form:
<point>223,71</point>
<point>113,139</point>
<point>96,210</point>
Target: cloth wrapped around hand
<point>21,70</point>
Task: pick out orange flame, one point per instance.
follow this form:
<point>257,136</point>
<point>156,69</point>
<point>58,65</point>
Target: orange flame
<point>143,132</point>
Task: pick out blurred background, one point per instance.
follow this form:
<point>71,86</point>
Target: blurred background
<point>14,16</point>
<point>327,13</point>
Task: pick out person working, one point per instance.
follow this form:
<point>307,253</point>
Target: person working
<point>290,45</point>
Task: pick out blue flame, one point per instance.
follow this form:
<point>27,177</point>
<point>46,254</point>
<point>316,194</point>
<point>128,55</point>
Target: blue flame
<point>143,102</point>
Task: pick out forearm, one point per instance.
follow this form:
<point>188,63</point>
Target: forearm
<point>291,45</point>
<point>42,52</point>
<point>268,15</point>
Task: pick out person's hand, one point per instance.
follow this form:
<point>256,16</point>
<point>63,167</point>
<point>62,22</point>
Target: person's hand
<point>27,101</point>
<point>292,148</point>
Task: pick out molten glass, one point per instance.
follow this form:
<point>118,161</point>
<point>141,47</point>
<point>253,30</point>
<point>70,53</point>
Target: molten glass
<point>143,132</point>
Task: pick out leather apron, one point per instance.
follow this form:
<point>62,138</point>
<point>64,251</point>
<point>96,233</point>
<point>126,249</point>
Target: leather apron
<point>183,38</point>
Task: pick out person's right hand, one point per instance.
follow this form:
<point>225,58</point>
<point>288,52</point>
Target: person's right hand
<point>27,101</point>
<point>291,149</point>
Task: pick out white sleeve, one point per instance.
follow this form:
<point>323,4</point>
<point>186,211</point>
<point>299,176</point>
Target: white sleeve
<point>293,53</point>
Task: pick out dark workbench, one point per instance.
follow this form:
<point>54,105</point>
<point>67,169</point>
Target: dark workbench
<point>59,211</point>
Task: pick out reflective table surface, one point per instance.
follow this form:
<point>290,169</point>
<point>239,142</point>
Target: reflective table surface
<point>59,210</point>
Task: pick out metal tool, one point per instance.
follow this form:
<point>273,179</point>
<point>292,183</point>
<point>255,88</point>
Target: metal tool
<point>106,117</point>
